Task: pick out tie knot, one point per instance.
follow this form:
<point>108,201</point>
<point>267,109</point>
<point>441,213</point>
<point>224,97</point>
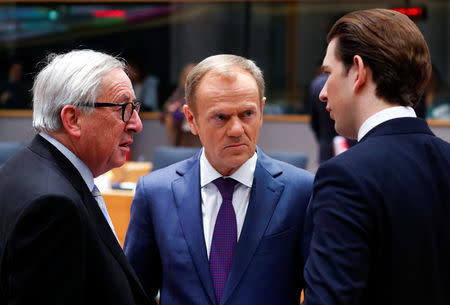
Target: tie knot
<point>226,187</point>
<point>95,191</point>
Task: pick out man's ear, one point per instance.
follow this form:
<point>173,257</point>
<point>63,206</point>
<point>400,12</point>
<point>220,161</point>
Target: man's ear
<point>190,119</point>
<point>263,102</point>
<point>71,119</point>
<point>361,73</point>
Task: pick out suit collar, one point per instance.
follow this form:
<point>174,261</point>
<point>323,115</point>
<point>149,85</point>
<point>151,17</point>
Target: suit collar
<point>186,190</point>
<point>46,150</point>
<point>384,115</point>
<point>82,168</point>
<point>244,174</point>
<point>267,163</point>
<point>399,126</point>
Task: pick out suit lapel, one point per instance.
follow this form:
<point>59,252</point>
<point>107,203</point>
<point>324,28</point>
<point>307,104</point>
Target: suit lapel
<point>265,193</point>
<point>186,190</point>
<point>106,234</point>
<point>47,150</point>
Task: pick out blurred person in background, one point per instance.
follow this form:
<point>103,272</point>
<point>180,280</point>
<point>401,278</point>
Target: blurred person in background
<point>145,86</point>
<point>14,94</point>
<point>173,114</point>
<point>321,124</point>
<point>330,143</point>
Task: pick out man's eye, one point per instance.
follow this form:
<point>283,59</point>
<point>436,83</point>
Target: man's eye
<point>220,117</point>
<point>248,113</point>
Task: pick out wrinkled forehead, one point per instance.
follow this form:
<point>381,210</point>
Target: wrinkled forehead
<point>116,83</point>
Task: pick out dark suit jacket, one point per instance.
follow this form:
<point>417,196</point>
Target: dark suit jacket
<point>381,215</point>
<point>57,246</point>
<point>165,236</point>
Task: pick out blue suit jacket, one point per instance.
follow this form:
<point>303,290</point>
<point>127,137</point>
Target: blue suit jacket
<point>165,241</point>
<point>381,216</point>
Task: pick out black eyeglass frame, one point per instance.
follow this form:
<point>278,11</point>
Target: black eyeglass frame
<point>134,106</point>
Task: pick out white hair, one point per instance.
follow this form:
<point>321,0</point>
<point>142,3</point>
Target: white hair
<point>72,78</point>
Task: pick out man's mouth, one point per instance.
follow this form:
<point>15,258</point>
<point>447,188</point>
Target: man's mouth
<point>235,145</point>
<point>126,143</point>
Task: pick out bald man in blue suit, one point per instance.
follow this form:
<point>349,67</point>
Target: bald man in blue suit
<point>172,227</point>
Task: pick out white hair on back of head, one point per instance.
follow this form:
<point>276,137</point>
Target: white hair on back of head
<point>72,78</point>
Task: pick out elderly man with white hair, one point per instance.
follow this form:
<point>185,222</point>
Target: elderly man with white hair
<point>57,241</point>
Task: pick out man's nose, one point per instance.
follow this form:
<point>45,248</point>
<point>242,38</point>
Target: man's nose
<point>323,94</point>
<point>135,123</point>
<point>235,128</point>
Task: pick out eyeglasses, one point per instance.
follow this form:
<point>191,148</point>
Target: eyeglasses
<point>127,108</point>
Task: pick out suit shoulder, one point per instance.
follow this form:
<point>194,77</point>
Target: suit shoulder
<point>294,171</point>
<point>293,176</point>
<point>54,204</point>
<point>164,176</point>
<point>28,177</point>
<point>42,211</point>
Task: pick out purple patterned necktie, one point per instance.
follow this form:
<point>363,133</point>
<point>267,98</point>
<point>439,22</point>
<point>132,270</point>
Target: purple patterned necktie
<point>224,238</point>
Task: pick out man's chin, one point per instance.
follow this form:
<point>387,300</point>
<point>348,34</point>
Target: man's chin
<point>120,161</point>
<point>236,161</point>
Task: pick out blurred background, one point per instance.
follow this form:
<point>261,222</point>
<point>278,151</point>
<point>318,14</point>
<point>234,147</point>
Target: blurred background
<point>287,39</point>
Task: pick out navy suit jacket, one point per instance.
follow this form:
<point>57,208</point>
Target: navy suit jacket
<point>57,247</point>
<point>166,245</point>
<point>381,214</point>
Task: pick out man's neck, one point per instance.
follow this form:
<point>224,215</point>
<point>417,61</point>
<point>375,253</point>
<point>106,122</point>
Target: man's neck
<point>369,107</point>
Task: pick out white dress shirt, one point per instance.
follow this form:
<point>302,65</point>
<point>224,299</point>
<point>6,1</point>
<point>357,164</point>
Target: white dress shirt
<point>211,198</point>
<point>383,116</point>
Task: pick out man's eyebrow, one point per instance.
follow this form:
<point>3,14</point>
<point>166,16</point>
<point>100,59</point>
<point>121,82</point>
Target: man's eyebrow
<point>214,112</point>
<point>124,97</point>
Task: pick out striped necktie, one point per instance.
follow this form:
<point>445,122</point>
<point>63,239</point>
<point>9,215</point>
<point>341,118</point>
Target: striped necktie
<point>101,203</point>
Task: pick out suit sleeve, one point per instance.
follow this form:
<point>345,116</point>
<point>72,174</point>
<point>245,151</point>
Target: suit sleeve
<point>45,255</point>
<point>140,245</point>
<point>336,271</point>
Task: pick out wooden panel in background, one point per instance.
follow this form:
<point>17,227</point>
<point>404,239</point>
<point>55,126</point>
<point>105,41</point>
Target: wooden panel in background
<point>118,203</point>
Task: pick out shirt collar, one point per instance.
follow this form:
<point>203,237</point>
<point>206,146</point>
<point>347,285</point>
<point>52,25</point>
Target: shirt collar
<point>85,172</point>
<point>244,174</point>
<point>383,116</point>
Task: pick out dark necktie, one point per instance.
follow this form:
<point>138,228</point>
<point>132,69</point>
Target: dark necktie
<point>224,237</point>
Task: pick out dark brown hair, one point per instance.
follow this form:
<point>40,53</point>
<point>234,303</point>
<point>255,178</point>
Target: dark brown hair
<point>392,46</point>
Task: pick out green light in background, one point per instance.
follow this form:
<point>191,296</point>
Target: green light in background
<point>53,15</point>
